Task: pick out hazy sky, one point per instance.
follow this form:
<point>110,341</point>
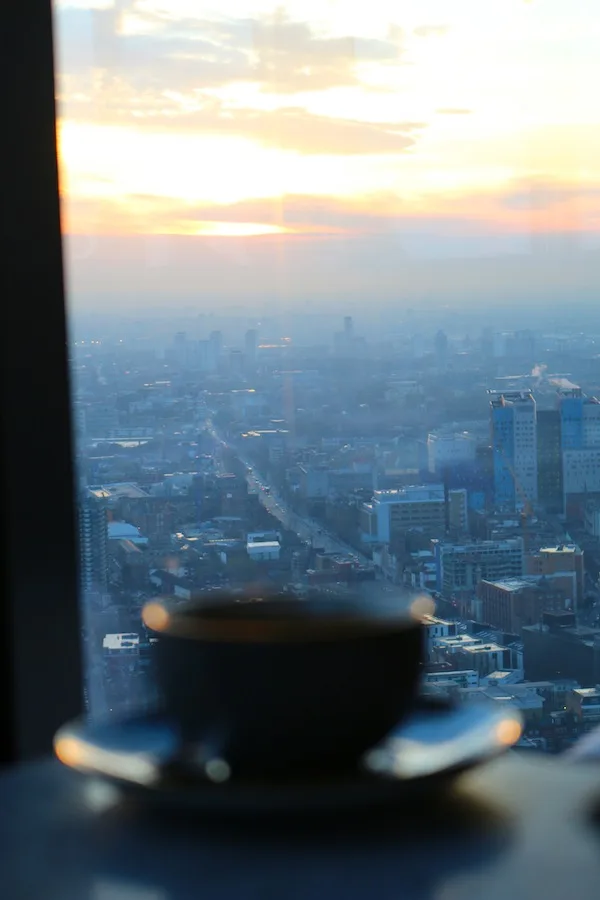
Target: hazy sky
<point>320,146</point>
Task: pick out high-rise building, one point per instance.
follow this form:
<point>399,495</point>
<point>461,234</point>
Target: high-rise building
<point>549,458</point>
<point>93,542</point>
<point>579,420</point>
<point>250,347</point>
<point>441,345</point>
<point>180,349</point>
<point>215,339</point>
<point>348,327</point>
<point>514,443</point>
<point>580,443</point>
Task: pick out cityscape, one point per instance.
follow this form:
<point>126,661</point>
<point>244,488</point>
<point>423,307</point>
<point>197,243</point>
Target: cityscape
<point>419,459</point>
<point>332,275</point>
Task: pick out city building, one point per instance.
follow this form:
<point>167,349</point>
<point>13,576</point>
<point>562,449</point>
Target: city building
<point>447,451</point>
<point>93,543</point>
<point>559,648</point>
<point>514,442</point>
<point>452,678</point>
<point>549,460</point>
<point>592,518</point>
<point>435,630</point>
<point>579,419</point>
<point>514,602</point>
<point>250,348</point>
<point>516,696</point>
<point>458,510</point>
<point>262,551</point>
<point>392,512</point>
<point>564,559</point>
<point>314,481</point>
<point>466,652</point>
<point>584,703</point>
<point>460,567</point>
<point>581,480</point>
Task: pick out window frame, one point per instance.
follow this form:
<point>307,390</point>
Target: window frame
<point>40,634</point>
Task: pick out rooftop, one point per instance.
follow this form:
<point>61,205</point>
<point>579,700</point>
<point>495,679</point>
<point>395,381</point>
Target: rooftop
<point>433,493</point>
<point>562,548</point>
<point>117,491</point>
<point>127,641</point>
<point>433,620</point>
<point>483,648</point>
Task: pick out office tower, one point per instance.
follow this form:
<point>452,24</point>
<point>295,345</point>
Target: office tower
<point>216,341</point>
<point>514,443</point>
<point>348,327</point>
<point>180,348</point>
<point>580,442</point>
<point>93,542</point>
<point>579,420</point>
<point>441,346</point>
<point>549,456</point>
<point>250,347</point>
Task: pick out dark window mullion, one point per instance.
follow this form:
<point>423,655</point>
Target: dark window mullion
<point>40,653</point>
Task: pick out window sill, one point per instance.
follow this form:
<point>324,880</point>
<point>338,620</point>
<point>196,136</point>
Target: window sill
<point>517,827</point>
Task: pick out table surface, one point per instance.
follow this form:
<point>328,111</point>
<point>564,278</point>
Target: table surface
<point>519,827</point>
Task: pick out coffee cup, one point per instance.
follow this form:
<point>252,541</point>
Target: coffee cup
<point>264,684</point>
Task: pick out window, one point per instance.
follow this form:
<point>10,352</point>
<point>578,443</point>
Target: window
<point>262,209</point>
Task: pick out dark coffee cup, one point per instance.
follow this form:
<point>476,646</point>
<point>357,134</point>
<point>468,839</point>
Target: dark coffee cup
<point>261,685</point>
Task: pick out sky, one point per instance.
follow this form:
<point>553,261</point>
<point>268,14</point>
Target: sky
<point>319,147</point>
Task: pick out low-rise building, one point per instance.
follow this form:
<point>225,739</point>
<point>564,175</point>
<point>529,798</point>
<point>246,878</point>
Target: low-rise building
<point>437,630</point>
<point>262,551</point>
<point>514,602</point>
<point>392,512</point>
<point>460,567</point>
<point>564,559</point>
<point>461,678</point>
<point>584,703</point>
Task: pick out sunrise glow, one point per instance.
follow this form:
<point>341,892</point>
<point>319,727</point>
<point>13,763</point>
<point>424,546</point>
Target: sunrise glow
<point>251,118</point>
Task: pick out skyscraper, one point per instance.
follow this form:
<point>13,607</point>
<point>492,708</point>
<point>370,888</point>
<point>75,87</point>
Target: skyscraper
<point>348,327</point>
<point>549,454</point>
<point>514,443</point>
<point>93,542</point>
<point>579,420</point>
<point>250,346</point>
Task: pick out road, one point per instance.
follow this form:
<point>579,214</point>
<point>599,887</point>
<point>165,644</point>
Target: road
<point>307,529</point>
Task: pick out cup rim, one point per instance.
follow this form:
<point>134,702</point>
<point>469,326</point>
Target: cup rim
<point>332,628</point>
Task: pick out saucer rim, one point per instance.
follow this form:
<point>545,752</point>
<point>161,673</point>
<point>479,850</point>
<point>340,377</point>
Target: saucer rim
<point>352,788</point>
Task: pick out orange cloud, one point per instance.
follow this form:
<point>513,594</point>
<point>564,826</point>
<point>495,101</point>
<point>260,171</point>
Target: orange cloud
<point>523,207</point>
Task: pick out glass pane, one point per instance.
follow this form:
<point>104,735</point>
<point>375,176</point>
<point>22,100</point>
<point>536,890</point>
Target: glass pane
<point>332,271</point>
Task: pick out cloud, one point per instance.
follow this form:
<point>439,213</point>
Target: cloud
<point>290,128</point>
<point>453,111</point>
<point>541,194</point>
<point>297,213</point>
<point>153,52</point>
<point>156,73</point>
<point>426,31</point>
